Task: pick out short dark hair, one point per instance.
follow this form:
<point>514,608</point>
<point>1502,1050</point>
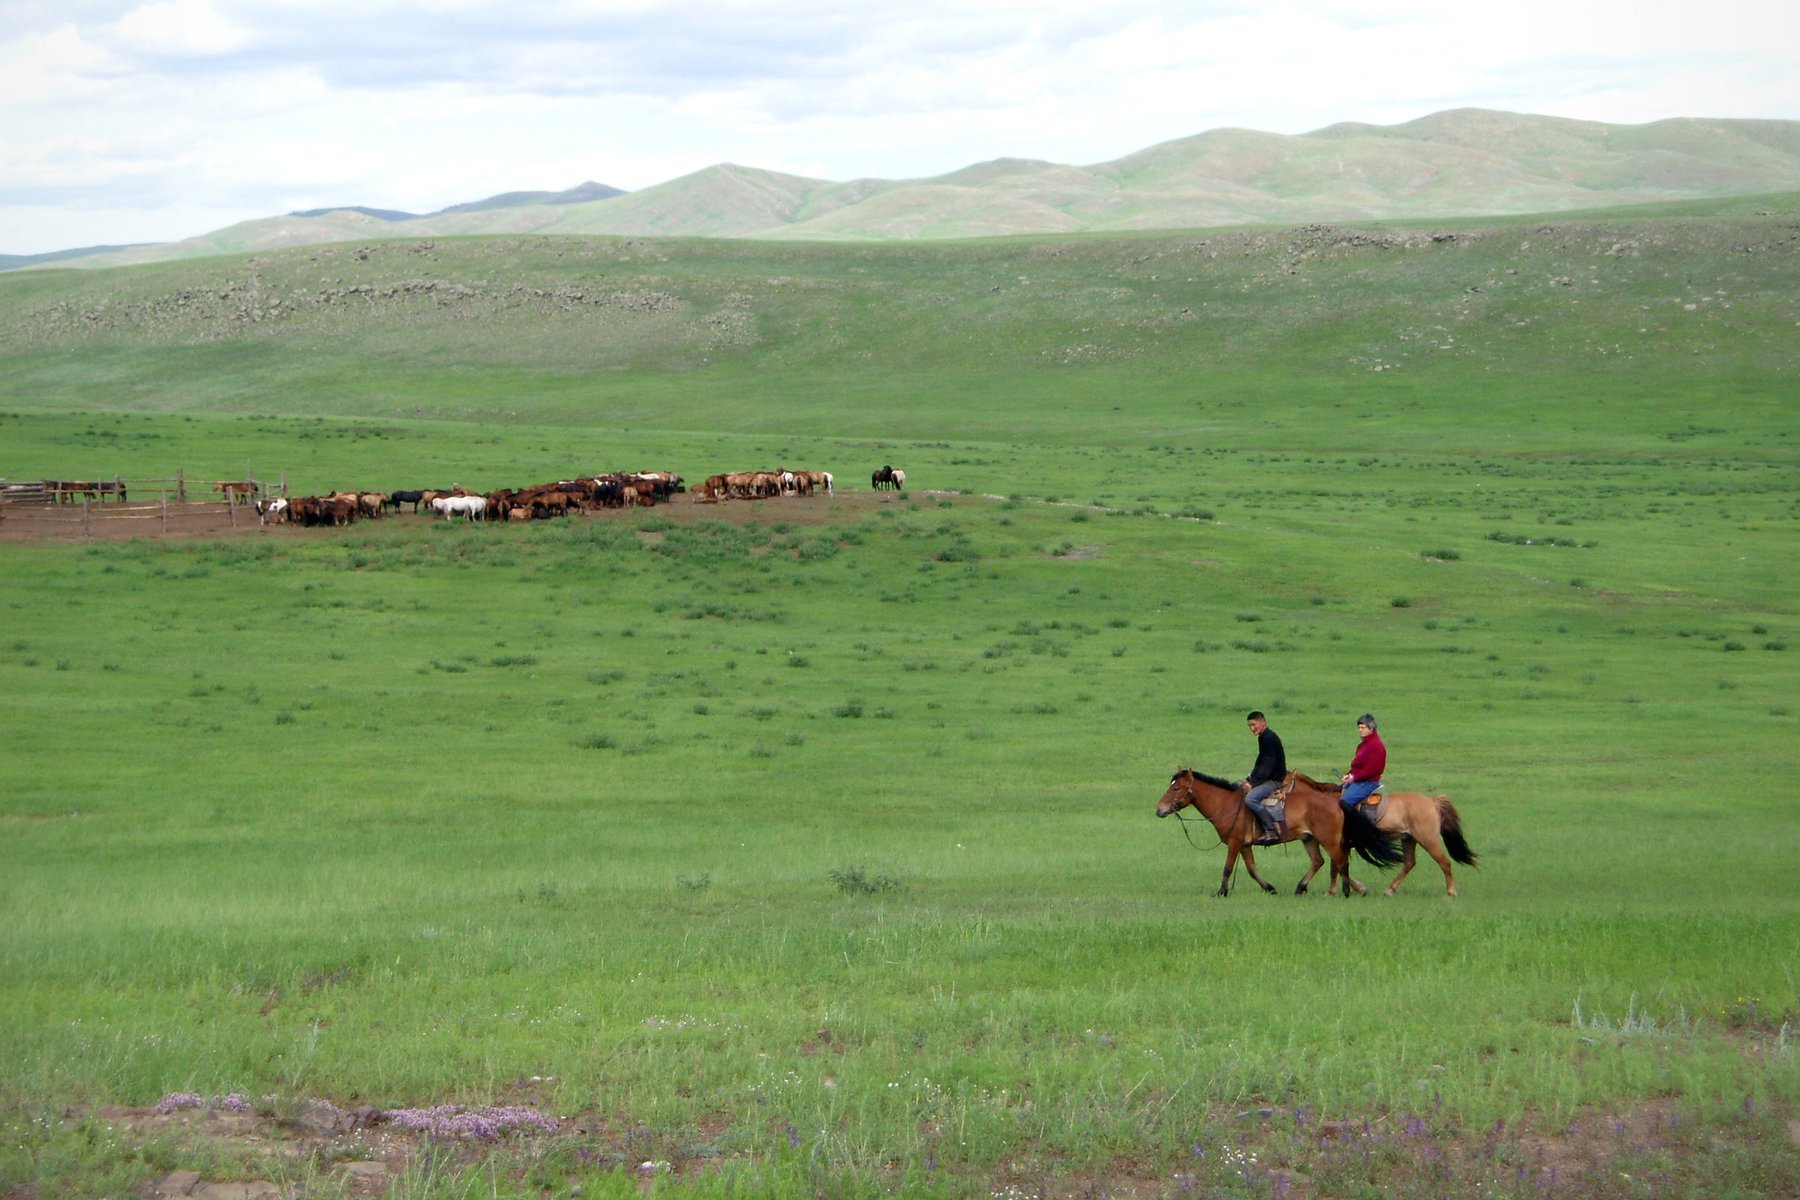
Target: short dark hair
<point>1256,716</point>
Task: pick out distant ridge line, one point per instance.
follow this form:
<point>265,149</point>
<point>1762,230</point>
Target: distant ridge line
<point>1458,164</point>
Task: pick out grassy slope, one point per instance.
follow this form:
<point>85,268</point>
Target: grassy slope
<point>1041,331</point>
<point>290,857</point>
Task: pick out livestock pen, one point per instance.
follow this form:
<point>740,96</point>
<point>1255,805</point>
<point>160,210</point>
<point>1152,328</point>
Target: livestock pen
<point>120,508</point>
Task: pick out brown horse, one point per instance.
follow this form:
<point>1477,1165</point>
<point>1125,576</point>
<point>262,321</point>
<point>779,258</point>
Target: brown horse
<point>1313,818</point>
<point>1418,820</point>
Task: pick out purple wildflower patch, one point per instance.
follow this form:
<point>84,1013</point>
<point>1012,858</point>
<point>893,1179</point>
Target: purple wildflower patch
<point>443,1122</point>
<point>486,1124</point>
<point>181,1101</point>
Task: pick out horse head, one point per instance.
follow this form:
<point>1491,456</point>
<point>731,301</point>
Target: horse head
<point>1179,796</point>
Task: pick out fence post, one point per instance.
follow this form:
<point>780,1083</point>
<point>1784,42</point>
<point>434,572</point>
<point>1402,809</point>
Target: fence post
<point>231,507</point>
<point>85,531</point>
<point>180,491</point>
<point>165,510</point>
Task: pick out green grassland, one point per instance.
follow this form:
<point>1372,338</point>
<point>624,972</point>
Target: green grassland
<point>814,852</point>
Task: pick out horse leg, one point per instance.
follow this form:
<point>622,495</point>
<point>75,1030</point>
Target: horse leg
<point>1340,867</point>
<point>1436,850</point>
<point>1408,844</point>
<point>1350,883</point>
<point>1231,857</point>
<point>1250,866</point>
<point>1318,860</point>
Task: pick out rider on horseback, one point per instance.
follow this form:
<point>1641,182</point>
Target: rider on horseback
<point>1265,776</point>
<point>1370,760</point>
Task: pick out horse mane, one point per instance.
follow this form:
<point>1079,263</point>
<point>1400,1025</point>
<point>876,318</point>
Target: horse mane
<point>1318,785</point>
<point>1203,777</point>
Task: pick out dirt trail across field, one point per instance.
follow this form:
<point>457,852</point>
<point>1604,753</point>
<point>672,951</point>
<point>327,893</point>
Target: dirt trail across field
<point>211,521</point>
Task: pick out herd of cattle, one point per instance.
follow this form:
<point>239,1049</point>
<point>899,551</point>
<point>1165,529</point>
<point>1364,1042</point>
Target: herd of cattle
<point>590,493</point>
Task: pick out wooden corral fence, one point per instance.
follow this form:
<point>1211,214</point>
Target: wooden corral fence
<point>128,507</point>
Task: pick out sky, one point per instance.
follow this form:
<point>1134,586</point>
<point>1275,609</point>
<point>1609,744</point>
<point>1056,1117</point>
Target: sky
<point>126,122</point>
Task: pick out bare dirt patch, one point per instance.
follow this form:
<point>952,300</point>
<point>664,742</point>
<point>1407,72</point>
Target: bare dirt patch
<point>272,1156</point>
<point>287,1149</point>
<point>25,524</point>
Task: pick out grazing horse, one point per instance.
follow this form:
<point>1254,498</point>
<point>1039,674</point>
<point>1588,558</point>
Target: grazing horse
<point>1313,818</point>
<point>473,508</point>
<point>1418,819</point>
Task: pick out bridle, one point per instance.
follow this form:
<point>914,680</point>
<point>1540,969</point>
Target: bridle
<point>1194,803</point>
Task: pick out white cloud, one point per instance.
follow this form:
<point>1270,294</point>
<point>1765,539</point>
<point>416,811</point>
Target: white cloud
<point>50,67</point>
<point>179,27</point>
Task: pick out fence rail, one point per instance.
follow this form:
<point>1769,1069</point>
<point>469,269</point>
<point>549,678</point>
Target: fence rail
<point>89,517</point>
<point>117,490</point>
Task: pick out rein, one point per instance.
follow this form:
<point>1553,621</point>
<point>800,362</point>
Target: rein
<point>1189,836</point>
<point>1206,819</point>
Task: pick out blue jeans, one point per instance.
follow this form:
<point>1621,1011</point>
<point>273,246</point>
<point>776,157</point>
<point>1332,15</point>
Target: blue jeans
<point>1254,801</point>
<point>1354,793</point>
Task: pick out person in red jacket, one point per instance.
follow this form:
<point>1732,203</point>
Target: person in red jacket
<point>1364,775</point>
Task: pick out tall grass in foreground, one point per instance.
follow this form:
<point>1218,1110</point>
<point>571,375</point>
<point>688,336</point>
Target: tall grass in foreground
<point>412,815</point>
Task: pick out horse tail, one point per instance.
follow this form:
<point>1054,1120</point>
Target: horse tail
<point>1377,848</point>
<point>1455,845</point>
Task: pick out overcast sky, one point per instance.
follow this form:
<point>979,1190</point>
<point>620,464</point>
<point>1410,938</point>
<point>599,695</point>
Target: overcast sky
<point>132,122</point>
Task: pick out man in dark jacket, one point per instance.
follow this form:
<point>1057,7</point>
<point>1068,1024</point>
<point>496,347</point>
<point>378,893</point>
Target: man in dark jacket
<point>1267,773</point>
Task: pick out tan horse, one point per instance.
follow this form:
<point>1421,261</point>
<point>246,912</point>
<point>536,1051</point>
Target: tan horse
<point>1418,820</point>
<point>1315,819</point>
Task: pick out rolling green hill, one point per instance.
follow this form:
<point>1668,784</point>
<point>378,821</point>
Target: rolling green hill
<point>1662,309</point>
<point>1450,165</point>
